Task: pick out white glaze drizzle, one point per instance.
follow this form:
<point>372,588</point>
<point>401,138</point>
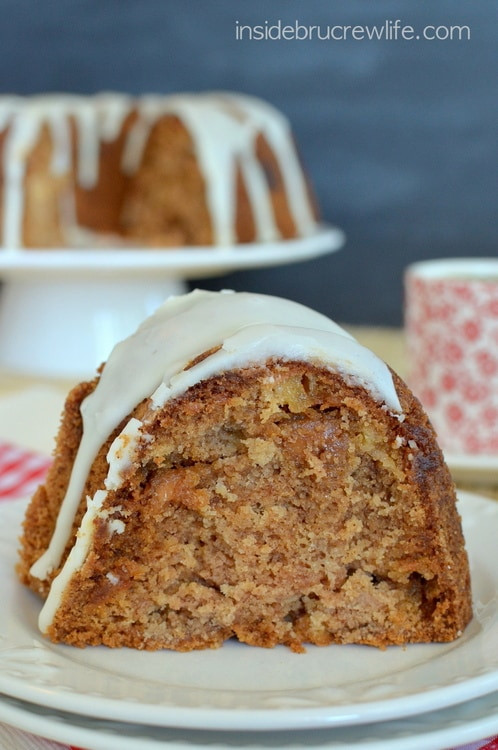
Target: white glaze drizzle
<point>113,109</point>
<point>249,328</point>
<point>88,144</point>
<point>276,130</point>
<point>224,129</point>
<point>75,560</point>
<point>20,139</point>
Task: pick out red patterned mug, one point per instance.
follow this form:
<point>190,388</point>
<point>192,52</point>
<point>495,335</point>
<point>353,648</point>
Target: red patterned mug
<point>451,325</point>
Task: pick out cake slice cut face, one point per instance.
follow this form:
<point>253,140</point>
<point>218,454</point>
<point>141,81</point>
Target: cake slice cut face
<point>243,468</point>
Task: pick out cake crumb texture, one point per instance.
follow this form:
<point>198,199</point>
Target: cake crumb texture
<point>276,504</point>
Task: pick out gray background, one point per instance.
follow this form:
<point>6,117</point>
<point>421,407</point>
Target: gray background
<point>399,137</point>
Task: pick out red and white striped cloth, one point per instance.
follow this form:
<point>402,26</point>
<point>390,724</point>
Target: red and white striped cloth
<point>21,471</point>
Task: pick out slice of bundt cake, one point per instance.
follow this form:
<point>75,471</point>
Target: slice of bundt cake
<point>243,467</point>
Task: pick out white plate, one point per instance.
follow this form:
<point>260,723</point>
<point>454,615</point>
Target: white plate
<point>241,687</point>
<point>480,470</point>
<point>183,262</point>
<point>474,720</point>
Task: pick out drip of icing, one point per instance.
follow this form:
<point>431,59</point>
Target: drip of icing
<point>61,138</point>
<point>249,328</point>
<point>22,136</point>
<point>113,110</point>
<point>118,457</point>
<point>257,190</point>
<point>88,144</point>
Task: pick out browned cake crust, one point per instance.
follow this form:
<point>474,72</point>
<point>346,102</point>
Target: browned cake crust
<point>166,200</point>
<point>276,504</point>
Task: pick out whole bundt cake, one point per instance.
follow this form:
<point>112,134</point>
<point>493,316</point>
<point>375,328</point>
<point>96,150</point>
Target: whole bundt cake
<point>187,169</point>
<point>241,466</point>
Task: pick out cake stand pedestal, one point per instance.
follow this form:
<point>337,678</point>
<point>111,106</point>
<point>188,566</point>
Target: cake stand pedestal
<point>67,327</point>
<point>62,311</point>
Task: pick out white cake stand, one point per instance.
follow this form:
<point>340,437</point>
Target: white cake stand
<point>62,311</point>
